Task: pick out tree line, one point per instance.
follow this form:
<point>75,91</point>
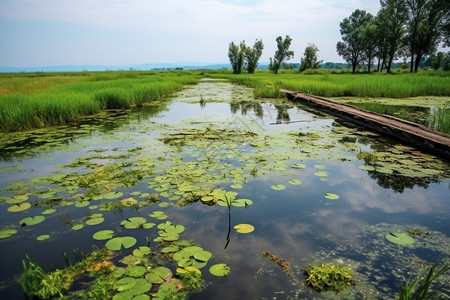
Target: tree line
<point>411,29</point>
<point>242,57</point>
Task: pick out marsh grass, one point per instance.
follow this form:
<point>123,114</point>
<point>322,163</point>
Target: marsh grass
<point>327,84</point>
<point>58,103</point>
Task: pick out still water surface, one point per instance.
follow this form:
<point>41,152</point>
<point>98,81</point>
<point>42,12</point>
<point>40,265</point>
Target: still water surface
<point>286,159</point>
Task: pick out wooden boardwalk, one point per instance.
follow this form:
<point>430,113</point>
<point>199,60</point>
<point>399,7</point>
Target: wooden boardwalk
<point>408,132</point>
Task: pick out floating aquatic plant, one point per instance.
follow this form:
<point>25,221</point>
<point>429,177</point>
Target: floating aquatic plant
<point>220,270</point>
<point>400,238</point>
<point>244,228</point>
<point>118,242</point>
<point>329,277</point>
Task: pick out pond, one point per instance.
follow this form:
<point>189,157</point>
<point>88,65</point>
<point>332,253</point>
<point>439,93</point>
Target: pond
<point>213,179</point>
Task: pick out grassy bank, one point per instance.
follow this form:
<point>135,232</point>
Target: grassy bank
<point>326,84</point>
<point>38,100</point>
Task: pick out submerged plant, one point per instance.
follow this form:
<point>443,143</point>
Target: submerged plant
<point>420,287</point>
<point>328,277</point>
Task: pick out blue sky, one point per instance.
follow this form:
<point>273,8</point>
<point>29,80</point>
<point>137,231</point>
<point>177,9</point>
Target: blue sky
<point>37,33</point>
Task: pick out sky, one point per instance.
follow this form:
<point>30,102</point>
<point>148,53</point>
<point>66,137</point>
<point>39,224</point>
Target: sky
<point>36,33</point>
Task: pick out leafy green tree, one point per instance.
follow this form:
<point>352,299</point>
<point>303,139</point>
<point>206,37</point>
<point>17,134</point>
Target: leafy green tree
<point>391,20</point>
<point>352,46</point>
<point>426,20</point>
<point>310,59</point>
<point>252,55</point>
<point>437,60</point>
<point>369,35</point>
<point>236,56</point>
<point>282,54</point>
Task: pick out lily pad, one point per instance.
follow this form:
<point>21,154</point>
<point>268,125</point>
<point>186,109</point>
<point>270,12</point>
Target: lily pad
<point>103,235</point>
<point>298,166</point>
<point>19,207</point>
<point>321,173</point>
<point>94,221</point>
<point>400,238</point>
<point>219,270</point>
<point>31,220</point>
<point>244,228</point>
<point>160,215</point>
<point>6,233</point>
<point>133,222</point>
<point>141,251</point>
<point>77,227</point>
<point>158,275</point>
<point>43,237</point>
<point>49,211</point>
<point>82,204</point>
<point>278,187</point>
<point>112,195</point>
<point>136,271</point>
<point>331,196</point>
<point>119,242</point>
<point>242,202</point>
<point>295,182</point>
<point>124,284</point>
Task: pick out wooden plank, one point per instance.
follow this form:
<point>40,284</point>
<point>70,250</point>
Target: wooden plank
<point>408,132</point>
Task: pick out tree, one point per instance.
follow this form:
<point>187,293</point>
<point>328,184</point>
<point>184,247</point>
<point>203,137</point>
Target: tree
<point>391,20</point>
<point>352,46</point>
<point>282,54</point>
<point>310,58</point>
<point>236,56</point>
<point>369,35</point>
<point>252,55</point>
<point>437,60</point>
<point>425,27</point>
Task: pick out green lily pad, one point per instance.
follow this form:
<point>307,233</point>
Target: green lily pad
<point>295,181</point>
<point>6,233</point>
<point>129,202</point>
<point>331,196</point>
<point>31,220</point>
<point>278,187</point>
<point>103,235</point>
<point>49,211</point>
<point>133,222</point>
<point>219,270</point>
<point>320,167</point>
<point>298,166</point>
<point>125,283</point>
<point>244,228</point>
<point>136,271</point>
<point>77,227</point>
<point>321,173</point>
<point>160,215</point>
<point>400,238</point>
<point>82,204</point>
<point>94,221</point>
<point>367,168</point>
<point>119,242</point>
<point>158,275</point>
<point>112,195</point>
<point>19,207</point>
<point>43,237</point>
<point>16,199</point>
<point>242,202</point>
<point>203,255</point>
<point>141,251</point>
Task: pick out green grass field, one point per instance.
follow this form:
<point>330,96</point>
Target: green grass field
<point>31,100</point>
<point>50,99</point>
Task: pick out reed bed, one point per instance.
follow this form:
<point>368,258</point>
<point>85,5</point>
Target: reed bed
<point>58,99</point>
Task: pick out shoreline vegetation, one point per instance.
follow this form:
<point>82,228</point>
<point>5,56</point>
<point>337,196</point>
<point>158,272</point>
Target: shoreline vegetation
<point>34,100</point>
